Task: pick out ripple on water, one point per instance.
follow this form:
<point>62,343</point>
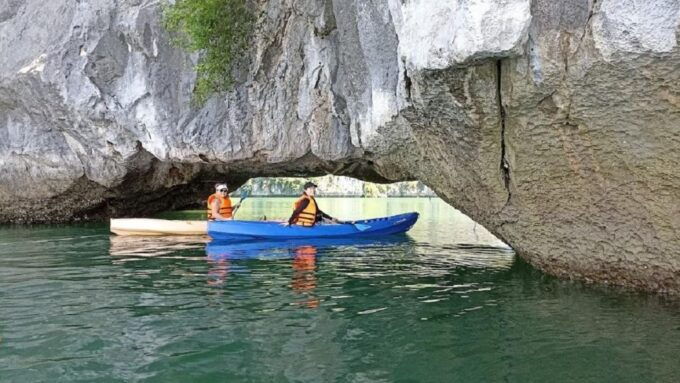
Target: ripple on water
<point>449,302</point>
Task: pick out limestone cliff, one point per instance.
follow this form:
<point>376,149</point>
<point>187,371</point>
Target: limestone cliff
<point>553,124</point>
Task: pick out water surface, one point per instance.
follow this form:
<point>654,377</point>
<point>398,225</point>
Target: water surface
<point>447,303</point>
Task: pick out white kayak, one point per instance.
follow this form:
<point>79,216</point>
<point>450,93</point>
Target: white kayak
<point>151,226</point>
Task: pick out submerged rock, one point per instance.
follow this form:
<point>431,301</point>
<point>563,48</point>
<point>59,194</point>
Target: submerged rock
<point>553,124</point>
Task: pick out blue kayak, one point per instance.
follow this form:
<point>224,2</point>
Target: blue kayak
<point>249,230</point>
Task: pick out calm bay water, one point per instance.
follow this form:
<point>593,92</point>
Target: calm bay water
<point>447,303</point>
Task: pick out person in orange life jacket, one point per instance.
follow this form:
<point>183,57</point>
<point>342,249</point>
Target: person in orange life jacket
<point>306,211</point>
<point>219,204</point>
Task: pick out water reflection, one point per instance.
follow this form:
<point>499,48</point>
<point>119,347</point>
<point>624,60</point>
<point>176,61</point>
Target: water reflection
<point>288,249</point>
<point>449,302</point>
<point>303,254</point>
<point>128,248</point>
<point>217,274</point>
<point>304,276</point>
<point>303,262</point>
<point>358,257</point>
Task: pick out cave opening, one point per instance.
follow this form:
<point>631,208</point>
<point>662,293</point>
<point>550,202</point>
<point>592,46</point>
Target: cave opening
<point>346,198</point>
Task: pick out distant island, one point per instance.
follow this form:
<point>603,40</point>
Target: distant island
<point>336,186</point>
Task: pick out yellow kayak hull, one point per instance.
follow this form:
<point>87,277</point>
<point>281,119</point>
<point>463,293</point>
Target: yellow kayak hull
<point>151,226</point>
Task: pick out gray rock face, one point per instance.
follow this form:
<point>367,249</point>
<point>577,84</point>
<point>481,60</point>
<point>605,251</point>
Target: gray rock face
<point>554,124</point>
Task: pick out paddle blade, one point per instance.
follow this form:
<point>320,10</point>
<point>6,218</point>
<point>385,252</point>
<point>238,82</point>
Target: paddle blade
<point>244,194</point>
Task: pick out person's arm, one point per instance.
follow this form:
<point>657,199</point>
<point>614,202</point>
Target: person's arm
<point>303,204</point>
<point>320,215</point>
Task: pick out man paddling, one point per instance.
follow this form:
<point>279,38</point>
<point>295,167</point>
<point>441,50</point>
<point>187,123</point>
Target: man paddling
<point>306,211</point>
<point>219,204</point>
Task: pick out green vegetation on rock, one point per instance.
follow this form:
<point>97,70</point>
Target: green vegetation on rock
<point>220,30</point>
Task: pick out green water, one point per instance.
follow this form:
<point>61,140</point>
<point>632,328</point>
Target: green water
<point>448,303</point>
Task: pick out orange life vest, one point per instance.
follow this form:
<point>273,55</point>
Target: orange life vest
<point>307,217</point>
<point>225,206</point>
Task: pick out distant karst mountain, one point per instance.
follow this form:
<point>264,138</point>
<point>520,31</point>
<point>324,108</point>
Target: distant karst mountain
<point>336,186</point>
